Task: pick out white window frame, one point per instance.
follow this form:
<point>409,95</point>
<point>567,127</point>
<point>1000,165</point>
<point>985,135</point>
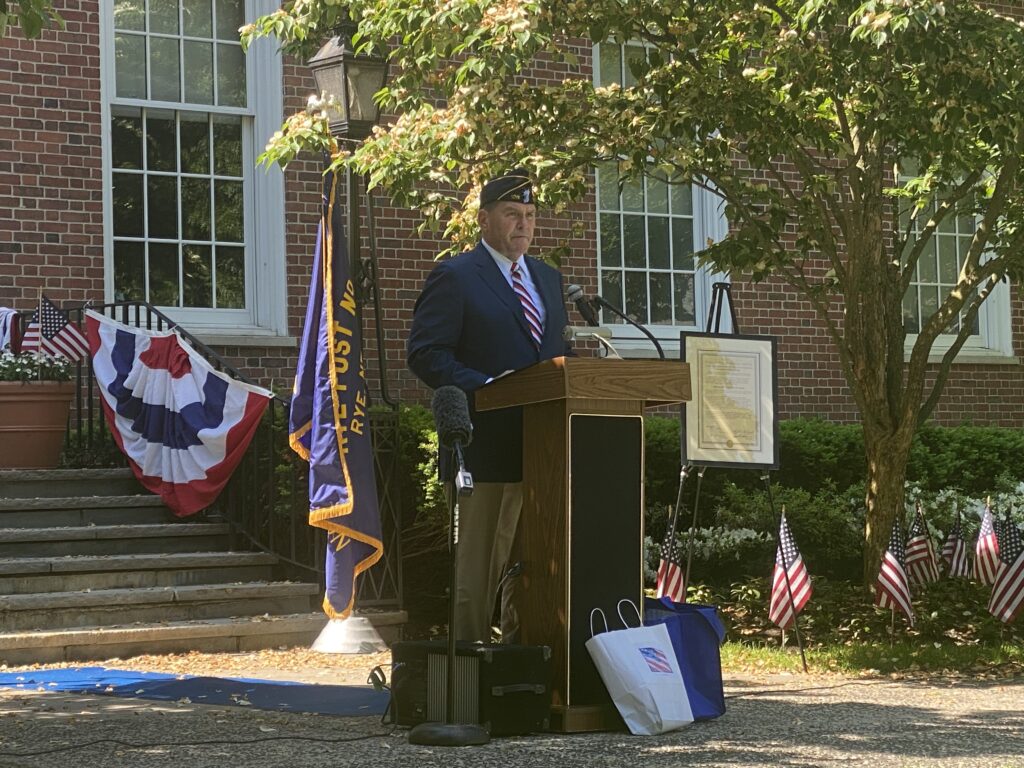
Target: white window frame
<point>265,315</point>
<point>709,224</point>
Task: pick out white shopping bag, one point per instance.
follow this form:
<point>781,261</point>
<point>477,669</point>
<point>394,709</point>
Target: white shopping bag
<point>639,669</point>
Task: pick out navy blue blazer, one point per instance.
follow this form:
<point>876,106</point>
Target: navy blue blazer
<point>468,326</point>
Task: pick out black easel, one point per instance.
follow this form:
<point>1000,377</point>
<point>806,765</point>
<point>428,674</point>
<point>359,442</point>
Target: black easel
<point>720,294</point>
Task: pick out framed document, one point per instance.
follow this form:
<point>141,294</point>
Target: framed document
<point>731,420</point>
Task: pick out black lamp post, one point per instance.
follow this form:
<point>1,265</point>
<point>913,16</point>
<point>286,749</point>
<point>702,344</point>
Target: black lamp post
<point>352,79</point>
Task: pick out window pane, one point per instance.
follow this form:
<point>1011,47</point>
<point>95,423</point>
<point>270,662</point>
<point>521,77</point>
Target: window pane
<point>195,144</point>
<point>163,274</point>
<point>948,223</point>
<point>227,146</point>
<point>163,16</point>
<point>684,300</point>
<point>929,302</point>
<point>611,71</point>
<point>126,138</point>
<point>636,296</point>
<point>682,198</point>
<point>198,72</point>
<point>230,75</point>
<point>127,205</point>
<point>926,271</point>
<point>197,18</point>
<point>129,272</point>
<point>633,195</point>
<point>230,16</point>
<point>633,238</point>
<point>634,55</point>
<point>682,244</point>
<point>607,187</point>
<point>162,206</point>
<point>129,14</point>
<point>657,242</point>
<point>611,289</point>
<point>661,298</point>
<point>161,147</point>
<point>228,207</point>
<point>948,268</point>
<point>611,241</point>
<point>911,311</point>
<point>130,64</point>
<point>197,274</point>
<point>166,69</point>
<point>230,277</point>
<point>657,194</point>
<point>195,209</point>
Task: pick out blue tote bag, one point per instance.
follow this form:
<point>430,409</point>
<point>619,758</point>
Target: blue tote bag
<point>696,633</point>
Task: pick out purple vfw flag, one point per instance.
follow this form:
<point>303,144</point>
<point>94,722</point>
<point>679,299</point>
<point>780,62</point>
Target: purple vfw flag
<point>328,422</point>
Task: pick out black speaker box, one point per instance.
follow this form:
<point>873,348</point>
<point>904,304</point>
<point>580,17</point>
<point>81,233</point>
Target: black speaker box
<point>504,688</point>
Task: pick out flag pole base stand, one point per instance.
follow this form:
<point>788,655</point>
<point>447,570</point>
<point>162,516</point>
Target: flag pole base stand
<point>448,735</point>
<point>355,634</point>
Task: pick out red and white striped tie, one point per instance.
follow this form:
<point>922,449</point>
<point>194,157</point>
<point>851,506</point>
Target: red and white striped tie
<point>529,308</point>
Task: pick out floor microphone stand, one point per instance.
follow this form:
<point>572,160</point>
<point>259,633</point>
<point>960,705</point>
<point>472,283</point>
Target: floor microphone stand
<point>449,733</point>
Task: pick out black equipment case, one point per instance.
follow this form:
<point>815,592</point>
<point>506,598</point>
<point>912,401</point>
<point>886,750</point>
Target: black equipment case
<point>504,688</point>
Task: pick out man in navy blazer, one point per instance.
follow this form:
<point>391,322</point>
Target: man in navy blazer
<point>485,312</point>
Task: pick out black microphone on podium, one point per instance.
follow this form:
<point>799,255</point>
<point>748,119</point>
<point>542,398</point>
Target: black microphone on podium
<point>619,313</point>
<point>455,431</point>
<point>575,294</point>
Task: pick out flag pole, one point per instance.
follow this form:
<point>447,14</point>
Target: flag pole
<point>693,523</point>
<point>785,570</point>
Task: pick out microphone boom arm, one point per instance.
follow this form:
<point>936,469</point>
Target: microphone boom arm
<point>619,313</point>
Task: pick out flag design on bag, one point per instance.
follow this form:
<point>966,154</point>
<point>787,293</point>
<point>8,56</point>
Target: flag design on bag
<point>657,660</point>
<point>183,425</point>
<point>954,552</point>
<point>1008,589</point>
<point>671,582</point>
<point>921,564</point>
<point>49,330</point>
<point>986,550</point>
<point>781,610</point>
<point>892,590</point>
<point>328,423</point>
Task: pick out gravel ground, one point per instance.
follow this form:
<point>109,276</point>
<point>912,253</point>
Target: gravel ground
<point>780,720</point>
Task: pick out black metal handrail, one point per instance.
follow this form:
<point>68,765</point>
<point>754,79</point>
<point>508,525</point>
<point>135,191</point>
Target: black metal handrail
<point>266,501</point>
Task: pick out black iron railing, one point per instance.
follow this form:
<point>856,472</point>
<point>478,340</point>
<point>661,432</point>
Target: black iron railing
<point>266,500</point>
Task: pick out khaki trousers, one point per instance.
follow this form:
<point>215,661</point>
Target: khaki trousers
<point>488,520</point>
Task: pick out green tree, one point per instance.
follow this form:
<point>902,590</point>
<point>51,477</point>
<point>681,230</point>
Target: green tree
<point>32,16</point>
<point>842,135</point>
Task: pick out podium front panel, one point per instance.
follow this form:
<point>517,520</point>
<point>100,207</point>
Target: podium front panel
<point>605,524</point>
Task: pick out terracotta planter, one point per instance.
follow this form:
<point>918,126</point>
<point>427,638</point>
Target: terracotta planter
<point>33,419</point>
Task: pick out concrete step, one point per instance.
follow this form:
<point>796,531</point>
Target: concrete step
<point>31,483</point>
<point>226,635</point>
<point>103,607</point>
<point>113,539</point>
<point>21,575</point>
<point>65,511</point>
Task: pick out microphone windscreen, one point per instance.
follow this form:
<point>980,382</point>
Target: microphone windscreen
<point>574,292</point>
<point>451,416</point>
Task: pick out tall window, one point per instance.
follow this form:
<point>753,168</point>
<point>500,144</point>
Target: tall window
<point>648,233</point>
<point>183,229</point>
<point>935,275</point>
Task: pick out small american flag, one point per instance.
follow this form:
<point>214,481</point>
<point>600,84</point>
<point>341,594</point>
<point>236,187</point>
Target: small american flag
<point>891,588</point>
<point>657,660</point>
<point>986,550</point>
<point>50,331</point>
<point>671,581</point>
<point>781,610</point>
<point>921,564</point>
<point>1008,590</point>
<point>954,552</point>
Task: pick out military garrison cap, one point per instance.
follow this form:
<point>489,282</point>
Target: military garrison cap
<point>514,186</point>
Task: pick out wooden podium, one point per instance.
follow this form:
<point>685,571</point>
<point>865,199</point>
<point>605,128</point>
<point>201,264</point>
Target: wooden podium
<point>581,530</point>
